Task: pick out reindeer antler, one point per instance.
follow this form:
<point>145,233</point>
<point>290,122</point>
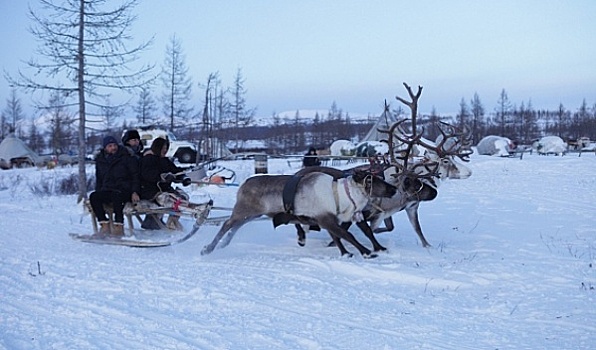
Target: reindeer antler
<point>461,145</point>
<point>413,105</point>
<point>397,132</point>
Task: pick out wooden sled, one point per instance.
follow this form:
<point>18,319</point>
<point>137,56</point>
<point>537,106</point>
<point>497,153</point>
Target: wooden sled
<point>198,212</point>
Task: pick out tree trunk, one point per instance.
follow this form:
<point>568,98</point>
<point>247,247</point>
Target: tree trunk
<point>81,90</point>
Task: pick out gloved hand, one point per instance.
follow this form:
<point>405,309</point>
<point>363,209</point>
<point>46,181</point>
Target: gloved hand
<point>186,181</point>
<point>168,177</point>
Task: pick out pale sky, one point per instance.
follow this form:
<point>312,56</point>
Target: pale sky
<point>307,54</point>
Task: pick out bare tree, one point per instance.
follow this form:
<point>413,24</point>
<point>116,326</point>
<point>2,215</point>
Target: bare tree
<point>503,112</point>
<point>580,121</point>
<point>61,122</point>
<point>528,127</point>
<point>178,86</point>
<point>3,126</point>
<point>477,114</point>
<point>463,115</point>
<point>83,42</point>
<point>241,116</point>
<point>210,114</point>
<point>111,114</point>
<point>35,139</point>
<point>562,120</point>
<point>145,108</point>
<point>13,113</point>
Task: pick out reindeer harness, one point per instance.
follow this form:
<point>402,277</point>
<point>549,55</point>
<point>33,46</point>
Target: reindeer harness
<point>289,195</point>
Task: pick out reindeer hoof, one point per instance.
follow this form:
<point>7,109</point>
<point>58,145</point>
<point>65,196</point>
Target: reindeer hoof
<point>369,256</point>
<point>331,244</point>
<point>301,242</point>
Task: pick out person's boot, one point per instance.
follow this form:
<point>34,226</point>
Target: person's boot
<point>104,228</point>
<point>118,229</point>
<point>174,224</point>
<point>150,223</point>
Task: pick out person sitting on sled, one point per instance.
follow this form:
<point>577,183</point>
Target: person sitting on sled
<point>157,174</point>
<point>116,182</point>
<point>132,141</point>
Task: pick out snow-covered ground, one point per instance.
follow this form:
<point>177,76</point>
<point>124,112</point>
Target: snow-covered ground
<point>512,267</point>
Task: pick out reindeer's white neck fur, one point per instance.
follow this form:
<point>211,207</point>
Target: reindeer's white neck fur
<point>350,199</point>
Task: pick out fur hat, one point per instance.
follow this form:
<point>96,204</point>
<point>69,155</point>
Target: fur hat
<point>130,134</point>
<point>158,144</point>
<point>109,139</point>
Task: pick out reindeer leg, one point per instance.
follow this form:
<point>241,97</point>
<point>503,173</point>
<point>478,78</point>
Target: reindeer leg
<point>231,225</point>
<point>363,225</point>
<point>345,226</point>
<point>337,243</point>
<point>301,235</point>
<point>388,226</point>
<point>413,217</point>
<point>329,223</point>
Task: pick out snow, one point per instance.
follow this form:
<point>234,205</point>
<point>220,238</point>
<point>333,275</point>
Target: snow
<point>512,267</point>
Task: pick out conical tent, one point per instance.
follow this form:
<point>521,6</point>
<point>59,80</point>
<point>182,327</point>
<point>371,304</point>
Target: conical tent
<point>383,123</point>
<point>12,147</point>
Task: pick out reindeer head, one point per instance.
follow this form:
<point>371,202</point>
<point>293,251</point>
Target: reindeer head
<point>373,185</point>
<point>452,143</point>
<point>439,158</point>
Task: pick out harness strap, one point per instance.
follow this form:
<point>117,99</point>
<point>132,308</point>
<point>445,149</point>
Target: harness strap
<point>336,197</point>
<point>347,189</point>
<point>289,193</point>
<point>376,206</point>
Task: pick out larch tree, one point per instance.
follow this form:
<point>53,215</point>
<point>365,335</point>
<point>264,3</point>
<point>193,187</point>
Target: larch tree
<point>13,113</point>
<point>35,139</point>
<point>145,108</point>
<point>61,122</point>
<point>503,113</point>
<point>83,54</point>
<point>210,115</point>
<point>240,115</point>
<point>177,84</point>
<point>477,115</point>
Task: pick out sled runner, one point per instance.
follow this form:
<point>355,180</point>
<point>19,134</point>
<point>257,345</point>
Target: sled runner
<point>168,233</point>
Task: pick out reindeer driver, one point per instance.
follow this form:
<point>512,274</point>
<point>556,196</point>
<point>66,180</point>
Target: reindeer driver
<point>116,182</point>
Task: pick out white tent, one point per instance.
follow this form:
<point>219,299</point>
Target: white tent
<point>383,123</point>
<point>14,148</point>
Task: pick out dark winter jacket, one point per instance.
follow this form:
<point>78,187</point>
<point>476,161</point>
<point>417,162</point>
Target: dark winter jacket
<point>311,158</point>
<point>137,152</point>
<point>118,172</point>
<point>152,167</point>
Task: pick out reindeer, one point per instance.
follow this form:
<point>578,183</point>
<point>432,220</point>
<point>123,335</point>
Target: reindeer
<point>407,185</point>
<point>437,164</point>
<point>320,200</point>
<point>424,176</point>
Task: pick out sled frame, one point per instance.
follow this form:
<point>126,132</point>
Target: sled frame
<point>146,207</point>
